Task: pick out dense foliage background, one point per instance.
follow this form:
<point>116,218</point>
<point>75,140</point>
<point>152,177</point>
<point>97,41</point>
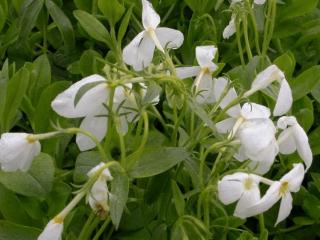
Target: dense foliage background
<point>46,45</point>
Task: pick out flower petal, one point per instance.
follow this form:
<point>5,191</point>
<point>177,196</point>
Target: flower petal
<point>96,125</point>
<point>150,19</point>
<point>248,199</point>
<point>187,72</point>
<point>294,177</point>
<point>284,100</point>
<point>259,2</point>
<point>169,38</point>
<point>285,208</point>
<point>225,126</point>
<point>286,141</point>
<point>139,52</point>
<point>253,110</point>
<point>205,55</point>
<point>205,90</point>
<point>230,188</point>
<point>302,144</point>
<point>230,29</point>
<point>63,104</point>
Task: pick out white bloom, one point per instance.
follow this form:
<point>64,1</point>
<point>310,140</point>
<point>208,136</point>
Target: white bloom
<point>230,29</point>
<point>17,151</point>
<point>281,189</point>
<point>241,187</point>
<point>99,194</point>
<point>293,138</point>
<point>204,84</point>
<point>256,133</point>
<point>264,79</point>
<point>52,231</point>
<point>90,107</point>
<point>139,52</point>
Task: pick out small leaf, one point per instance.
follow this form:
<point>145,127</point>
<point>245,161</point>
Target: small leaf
<point>119,194</point>
<point>177,198</point>
<point>11,231</point>
<point>124,24</point>
<point>93,27</point>
<point>37,182</point>
<point>63,23</point>
<point>295,8</point>
<point>112,9</point>
<point>156,160</point>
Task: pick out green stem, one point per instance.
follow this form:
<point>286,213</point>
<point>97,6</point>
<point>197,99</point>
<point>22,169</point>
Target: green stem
<point>102,229</point>
<point>255,28</point>
<point>145,131</point>
<point>261,223</point>
<point>286,230</point>
<point>92,137</point>
<point>160,118</point>
<point>122,149</point>
<point>86,226</point>
<point>270,22</point>
<point>238,34</point>
<point>246,37</point>
<point>108,138</point>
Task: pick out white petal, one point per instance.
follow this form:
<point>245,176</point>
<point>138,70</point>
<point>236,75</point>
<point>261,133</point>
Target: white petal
<point>187,72</point>
<point>253,110</point>
<point>302,144</point>
<point>284,100</point>
<point>205,90</point>
<point>225,126</point>
<point>229,191</point>
<point>139,52</point>
<point>266,202</point>
<point>150,19</point>
<point>169,38</point>
<point>285,207</point>
<point>241,154</point>
<point>259,2</point>
<point>248,199</point>
<point>285,121</point>
<point>205,55</point>
<point>52,231</point>
<point>63,104</point>
<point>230,29</point>
<point>266,77</point>
<point>294,177</point>
<point>97,125</point>
<point>286,141</point>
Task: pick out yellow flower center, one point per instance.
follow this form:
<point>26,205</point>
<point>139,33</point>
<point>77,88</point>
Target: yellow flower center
<point>31,139</point>
<point>283,188</point>
<point>205,70</point>
<point>248,184</point>
<point>58,220</point>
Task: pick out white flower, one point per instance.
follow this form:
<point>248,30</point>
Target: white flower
<point>52,231</point>
<point>17,151</point>
<point>293,138</point>
<point>204,83</point>
<point>99,194</point>
<point>230,29</point>
<point>139,52</point>
<point>256,133</point>
<point>281,189</point>
<point>90,107</point>
<point>264,79</point>
<point>241,187</point>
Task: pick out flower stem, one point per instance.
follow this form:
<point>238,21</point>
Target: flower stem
<point>101,230</point>
<point>246,37</point>
<point>86,226</point>
<point>255,28</point>
<point>261,223</point>
<point>108,138</point>
<point>122,149</point>
<point>239,44</point>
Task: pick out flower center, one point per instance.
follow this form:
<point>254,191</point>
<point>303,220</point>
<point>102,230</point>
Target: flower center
<point>283,188</point>
<point>31,139</point>
<point>58,220</point>
<point>248,184</point>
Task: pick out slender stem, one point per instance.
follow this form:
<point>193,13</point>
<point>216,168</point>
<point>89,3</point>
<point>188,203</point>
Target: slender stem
<point>92,137</point>
<point>61,216</point>
<point>86,226</point>
<point>122,149</point>
<point>145,131</point>
<point>160,118</point>
<point>289,229</point>
<point>238,34</point>
<point>110,121</point>
<point>255,28</point>
<point>101,230</point>
<point>246,37</point>
<point>268,31</point>
<point>261,223</point>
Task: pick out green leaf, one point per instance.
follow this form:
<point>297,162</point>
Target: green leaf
<point>156,160</point>
<point>286,62</point>
<point>88,63</point>
<point>17,87</point>
<point>29,14</point>
<point>3,13</point>
<point>295,8</point>
<point>4,77</point>
<point>119,194</point>
<point>124,24</point>
<point>63,23</point>
<point>37,182</point>
<point>303,111</point>
<point>11,207</point>
<point>305,82</point>
<point>11,231</point>
<point>84,163</point>
<point>43,108</point>
<point>314,140</point>
<point>177,198</point>
<point>112,9</point>
<point>93,27</point>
